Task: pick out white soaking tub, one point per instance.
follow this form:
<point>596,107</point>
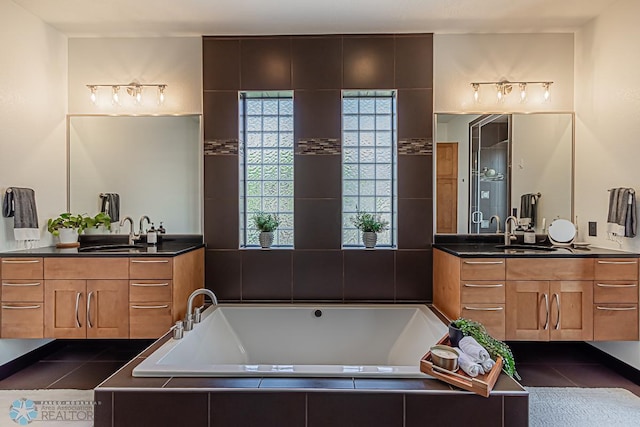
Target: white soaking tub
<point>300,340</point>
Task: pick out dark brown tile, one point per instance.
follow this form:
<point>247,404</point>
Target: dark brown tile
<point>264,409</point>
<point>265,63</point>
<point>415,113</point>
<point>415,176</point>
<point>453,409</point>
<point>221,177</point>
<point>317,62</point>
<point>317,223</point>
<point>368,62</point>
<point>516,411</point>
<point>369,274</point>
<point>221,222</point>
<point>77,352</point>
<point>320,383</point>
<point>123,352</point>
<point>317,114</point>
<point>414,61</point>
<point>223,274</point>
<point>266,274</point>
<point>87,376</point>
<point>539,375</point>
<point>415,223</point>
<point>354,409</point>
<point>103,414</point>
<point>317,275</point>
<point>594,376</point>
<point>166,408</point>
<point>220,111</point>
<point>552,353</point>
<point>220,64</point>
<point>124,378</point>
<point>413,276</point>
<point>204,382</point>
<point>318,176</point>
<point>401,384</point>
<point>37,376</point>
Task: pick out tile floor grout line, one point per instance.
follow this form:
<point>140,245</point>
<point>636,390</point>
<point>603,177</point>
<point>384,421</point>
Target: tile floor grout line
<point>67,374</point>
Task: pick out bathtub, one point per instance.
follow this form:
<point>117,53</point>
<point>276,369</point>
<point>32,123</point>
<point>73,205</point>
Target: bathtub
<point>300,340</point>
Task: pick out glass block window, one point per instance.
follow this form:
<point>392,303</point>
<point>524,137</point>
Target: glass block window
<point>266,163</point>
<point>369,162</point>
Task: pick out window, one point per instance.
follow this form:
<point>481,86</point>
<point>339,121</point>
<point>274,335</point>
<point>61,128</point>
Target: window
<point>266,163</point>
<point>368,161</point>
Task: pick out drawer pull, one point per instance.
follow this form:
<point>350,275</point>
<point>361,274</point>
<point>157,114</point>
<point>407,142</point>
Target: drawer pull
<point>78,325</point>
<point>607,285</point>
<point>149,285</point>
<point>617,262</point>
<point>472,285</point>
<point>546,304</point>
<point>616,308</point>
<point>20,261</point>
<point>484,262</point>
<point>147,307</point>
<point>557,298</point>
<point>20,284</point>
<point>158,261</point>
<point>20,307</point>
<point>483,308</point>
<point>89,325</point>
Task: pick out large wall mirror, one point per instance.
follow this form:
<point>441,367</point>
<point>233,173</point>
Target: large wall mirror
<point>154,164</point>
<point>490,164</point>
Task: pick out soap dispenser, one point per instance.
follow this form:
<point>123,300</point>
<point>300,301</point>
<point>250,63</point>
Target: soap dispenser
<point>152,235</point>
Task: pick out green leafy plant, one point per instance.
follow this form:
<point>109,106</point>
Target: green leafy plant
<point>368,222</point>
<point>65,220</point>
<point>265,221</point>
<point>101,218</point>
<point>493,346</point>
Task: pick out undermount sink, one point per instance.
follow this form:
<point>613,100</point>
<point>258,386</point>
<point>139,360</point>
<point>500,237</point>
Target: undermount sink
<point>114,247</point>
<point>527,247</point>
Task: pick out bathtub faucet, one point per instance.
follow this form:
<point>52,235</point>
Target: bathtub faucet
<point>190,318</point>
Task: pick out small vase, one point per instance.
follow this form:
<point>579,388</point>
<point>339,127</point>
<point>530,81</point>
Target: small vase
<point>266,239</point>
<point>455,335</point>
<point>369,238</point>
<point>68,235</point>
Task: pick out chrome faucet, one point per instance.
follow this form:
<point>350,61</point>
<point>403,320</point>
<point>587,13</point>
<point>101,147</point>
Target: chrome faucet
<point>497,218</point>
<point>132,236</point>
<point>508,235</point>
<point>189,317</point>
<point>141,229</point>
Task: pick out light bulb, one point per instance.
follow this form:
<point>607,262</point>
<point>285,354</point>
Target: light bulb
<point>139,95</point>
<point>93,96</point>
<point>499,92</point>
<point>116,97</point>
<point>161,94</point>
<point>476,94</point>
<point>547,92</point>
<point>523,92</point>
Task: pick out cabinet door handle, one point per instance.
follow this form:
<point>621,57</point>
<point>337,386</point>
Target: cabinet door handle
<point>148,307</point>
<point>155,261</point>
<point>78,324</point>
<point>557,298</point>
<point>483,308</point>
<point>89,310</point>
<point>546,304</point>
<point>19,307</point>
<point>472,285</point>
<point>483,262</point>
<point>617,262</point>
<point>616,308</point>
<point>610,285</point>
<point>20,284</point>
<point>20,261</point>
<point>149,285</point>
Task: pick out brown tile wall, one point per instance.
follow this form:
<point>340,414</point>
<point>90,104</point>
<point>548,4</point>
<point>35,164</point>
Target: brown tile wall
<point>317,68</point>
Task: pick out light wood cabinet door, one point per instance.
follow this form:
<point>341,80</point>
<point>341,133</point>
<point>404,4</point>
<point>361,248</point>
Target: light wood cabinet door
<point>22,268</point>
<point>149,320</point>
<point>571,316</point>
<point>107,314</point>
<point>22,290</point>
<point>492,316</point>
<point>615,291</point>
<point>616,269</point>
<point>65,309</point>
<point>151,268</point>
<point>615,322</point>
<point>22,320</point>
<point>527,310</point>
<point>482,269</point>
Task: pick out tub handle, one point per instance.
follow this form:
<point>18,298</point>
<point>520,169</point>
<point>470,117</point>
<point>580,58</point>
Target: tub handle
<point>78,325</point>
<point>20,307</point>
<point>483,308</point>
<point>146,307</point>
<point>89,310</point>
<point>616,308</point>
<point>20,284</point>
<point>150,285</point>
<point>608,285</point>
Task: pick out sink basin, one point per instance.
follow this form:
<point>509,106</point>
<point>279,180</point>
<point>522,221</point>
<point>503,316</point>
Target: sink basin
<point>527,247</point>
<point>113,247</point>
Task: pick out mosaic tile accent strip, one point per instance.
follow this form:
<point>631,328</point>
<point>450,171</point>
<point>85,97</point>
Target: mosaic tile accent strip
<point>220,146</point>
<point>318,146</point>
<point>415,146</point>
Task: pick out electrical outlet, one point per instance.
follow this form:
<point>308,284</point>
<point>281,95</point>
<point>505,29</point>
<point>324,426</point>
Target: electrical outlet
<point>593,228</point>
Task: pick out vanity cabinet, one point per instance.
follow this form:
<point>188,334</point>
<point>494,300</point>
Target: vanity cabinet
<point>22,314</point>
<point>615,298</point>
<point>150,296</point>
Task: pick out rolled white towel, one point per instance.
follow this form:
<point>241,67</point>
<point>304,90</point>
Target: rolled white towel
<point>467,364</point>
<point>487,365</point>
<point>470,346</point>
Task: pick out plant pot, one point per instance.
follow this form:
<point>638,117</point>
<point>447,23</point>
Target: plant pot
<point>266,239</point>
<point>369,238</point>
<point>101,229</point>
<point>455,335</point>
<point>68,235</point>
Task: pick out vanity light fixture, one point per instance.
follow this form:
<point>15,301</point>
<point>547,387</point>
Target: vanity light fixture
<point>504,88</point>
<point>93,97</point>
<point>523,92</point>
<point>115,97</point>
<point>547,93</point>
<point>161,89</point>
<point>134,89</point>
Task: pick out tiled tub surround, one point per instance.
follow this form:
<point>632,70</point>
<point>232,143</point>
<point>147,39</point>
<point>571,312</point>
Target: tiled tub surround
<point>317,68</point>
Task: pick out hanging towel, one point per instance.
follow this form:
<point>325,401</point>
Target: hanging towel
<point>111,205</point>
<point>20,203</point>
<point>529,207</point>
<point>621,217</point>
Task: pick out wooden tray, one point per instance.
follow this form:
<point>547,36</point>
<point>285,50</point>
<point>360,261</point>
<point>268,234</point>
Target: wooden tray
<point>68,245</point>
<point>482,384</point>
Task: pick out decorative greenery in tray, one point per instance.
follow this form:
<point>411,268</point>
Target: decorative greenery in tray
<point>493,346</point>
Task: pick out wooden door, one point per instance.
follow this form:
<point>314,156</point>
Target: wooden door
<point>527,311</point>
<point>571,310</point>
<point>107,309</point>
<point>447,187</point>
<point>64,309</point>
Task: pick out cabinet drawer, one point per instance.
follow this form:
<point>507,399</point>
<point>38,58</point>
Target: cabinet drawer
<point>616,269</point>
<point>482,269</point>
<point>549,269</point>
<point>149,290</point>
<point>150,268</point>
<point>492,316</point>
<point>22,268</point>
<point>615,322</point>
<point>22,290</point>
<point>607,291</point>
<point>482,291</point>
<point>149,320</point>
<point>86,268</point>
<point>22,320</point>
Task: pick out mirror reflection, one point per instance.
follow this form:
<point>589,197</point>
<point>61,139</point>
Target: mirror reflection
<point>490,165</point>
<point>153,163</point>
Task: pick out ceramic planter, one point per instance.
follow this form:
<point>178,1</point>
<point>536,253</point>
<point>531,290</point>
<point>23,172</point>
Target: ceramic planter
<point>369,238</point>
<point>266,239</point>
<point>68,235</point>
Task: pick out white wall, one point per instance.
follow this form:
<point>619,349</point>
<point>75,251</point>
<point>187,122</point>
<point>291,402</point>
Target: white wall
<point>460,59</point>
<point>607,126</point>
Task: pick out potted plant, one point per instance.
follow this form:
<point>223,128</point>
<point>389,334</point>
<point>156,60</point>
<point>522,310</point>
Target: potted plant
<point>66,226</point>
<point>97,224</point>
<point>266,223</point>
<point>370,225</point>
